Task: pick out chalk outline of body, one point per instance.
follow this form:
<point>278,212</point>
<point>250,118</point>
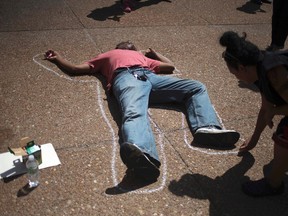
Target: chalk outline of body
<point>115,146</point>
<point>158,130</point>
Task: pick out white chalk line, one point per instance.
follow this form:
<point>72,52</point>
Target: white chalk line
<point>208,151</point>
<point>115,145</point>
<point>114,174</point>
<point>185,136</point>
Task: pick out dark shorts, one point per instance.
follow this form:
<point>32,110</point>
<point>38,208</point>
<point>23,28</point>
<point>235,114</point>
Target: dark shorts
<point>280,137</point>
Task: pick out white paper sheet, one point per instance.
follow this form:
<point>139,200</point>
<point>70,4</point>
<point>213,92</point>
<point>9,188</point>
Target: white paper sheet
<point>12,165</point>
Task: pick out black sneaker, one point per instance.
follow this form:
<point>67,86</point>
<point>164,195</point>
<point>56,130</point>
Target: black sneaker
<point>138,162</point>
<point>219,138</point>
<point>261,188</point>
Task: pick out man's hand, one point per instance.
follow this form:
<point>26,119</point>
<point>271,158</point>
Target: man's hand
<point>166,66</point>
<point>150,53</point>
<point>68,67</point>
<point>51,55</point>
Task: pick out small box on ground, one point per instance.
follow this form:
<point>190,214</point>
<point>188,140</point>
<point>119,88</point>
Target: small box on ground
<point>27,147</point>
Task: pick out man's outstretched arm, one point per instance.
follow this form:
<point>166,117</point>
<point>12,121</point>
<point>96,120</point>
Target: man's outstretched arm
<point>70,68</point>
<point>166,66</point>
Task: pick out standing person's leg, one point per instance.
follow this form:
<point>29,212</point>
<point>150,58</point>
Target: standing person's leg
<point>280,165</point>
<point>280,161</point>
<point>279,25</point>
<point>202,118</point>
<point>138,150</point>
<point>284,23</point>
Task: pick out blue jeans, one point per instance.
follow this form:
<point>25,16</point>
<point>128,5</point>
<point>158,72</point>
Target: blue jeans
<point>134,95</point>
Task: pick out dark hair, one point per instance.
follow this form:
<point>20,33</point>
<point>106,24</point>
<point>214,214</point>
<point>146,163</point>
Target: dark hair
<point>238,50</point>
<point>126,45</point>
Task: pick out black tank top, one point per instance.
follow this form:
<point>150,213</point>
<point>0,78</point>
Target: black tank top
<point>267,62</point>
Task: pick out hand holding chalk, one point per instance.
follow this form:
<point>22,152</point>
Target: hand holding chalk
<point>51,55</point>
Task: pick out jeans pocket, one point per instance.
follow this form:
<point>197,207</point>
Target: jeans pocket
<point>139,75</point>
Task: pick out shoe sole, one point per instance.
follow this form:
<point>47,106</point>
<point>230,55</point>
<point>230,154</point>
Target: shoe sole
<point>220,140</point>
<point>136,160</point>
<point>146,169</point>
<point>129,153</point>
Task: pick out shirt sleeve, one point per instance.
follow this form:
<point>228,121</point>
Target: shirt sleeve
<point>273,60</point>
<point>94,64</point>
<point>153,64</point>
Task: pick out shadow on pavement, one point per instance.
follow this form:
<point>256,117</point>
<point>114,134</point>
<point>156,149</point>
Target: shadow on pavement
<point>25,190</point>
<point>211,146</point>
<point>115,12</point>
<point>129,183</point>
<point>251,8</point>
<point>224,192</point>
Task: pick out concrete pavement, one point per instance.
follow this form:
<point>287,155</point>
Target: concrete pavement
<point>81,121</point>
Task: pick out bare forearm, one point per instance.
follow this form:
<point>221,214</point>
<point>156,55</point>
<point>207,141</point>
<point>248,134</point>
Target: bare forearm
<point>66,65</point>
<point>162,58</point>
<point>166,66</point>
<point>260,125</point>
<point>151,53</point>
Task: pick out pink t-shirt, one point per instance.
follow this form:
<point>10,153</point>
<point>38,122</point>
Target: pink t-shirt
<point>106,63</point>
